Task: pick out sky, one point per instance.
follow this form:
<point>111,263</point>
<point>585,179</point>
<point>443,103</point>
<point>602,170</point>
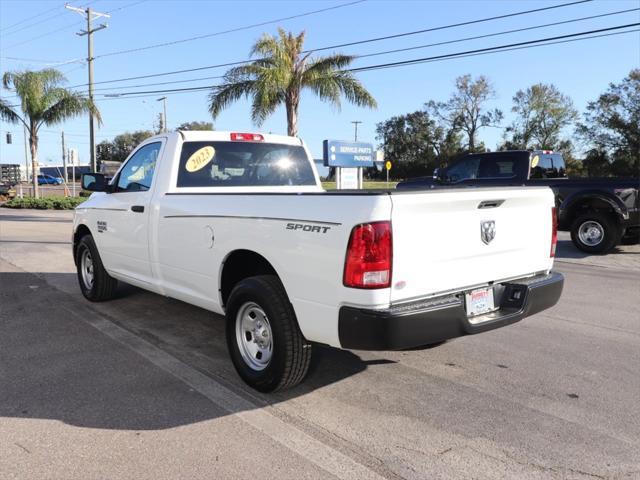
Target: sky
<point>35,34</point>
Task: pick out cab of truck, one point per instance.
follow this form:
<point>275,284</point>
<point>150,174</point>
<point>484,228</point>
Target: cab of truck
<point>513,165</point>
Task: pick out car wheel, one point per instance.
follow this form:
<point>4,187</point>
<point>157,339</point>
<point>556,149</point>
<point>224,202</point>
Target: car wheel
<point>265,343</point>
<point>595,232</point>
<point>95,283</point>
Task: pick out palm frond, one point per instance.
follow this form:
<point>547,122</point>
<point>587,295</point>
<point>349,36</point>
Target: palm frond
<point>322,65</point>
<point>66,105</point>
<point>270,88</point>
<point>8,114</point>
<point>224,95</point>
<point>333,84</point>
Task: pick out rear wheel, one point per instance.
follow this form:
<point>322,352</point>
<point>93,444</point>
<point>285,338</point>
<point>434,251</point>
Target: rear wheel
<point>265,343</point>
<point>95,283</point>
<point>595,232</point>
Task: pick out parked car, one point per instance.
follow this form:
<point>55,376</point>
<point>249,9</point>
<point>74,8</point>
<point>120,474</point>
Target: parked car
<point>599,212</point>
<point>49,180</point>
<point>238,223</point>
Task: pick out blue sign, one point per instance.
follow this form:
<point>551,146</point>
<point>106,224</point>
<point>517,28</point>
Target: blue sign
<point>347,154</point>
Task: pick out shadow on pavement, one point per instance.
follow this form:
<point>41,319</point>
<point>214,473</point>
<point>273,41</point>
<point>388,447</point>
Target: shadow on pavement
<point>55,366</point>
<point>566,249</point>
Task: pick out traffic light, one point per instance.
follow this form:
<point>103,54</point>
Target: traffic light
<point>9,138</point>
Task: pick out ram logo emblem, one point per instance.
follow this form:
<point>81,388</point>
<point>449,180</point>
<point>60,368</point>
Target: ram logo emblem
<point>487,231</point>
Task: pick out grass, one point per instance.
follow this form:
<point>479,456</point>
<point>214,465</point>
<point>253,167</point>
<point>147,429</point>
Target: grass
<point>367,185</point>
<point>48,203</point>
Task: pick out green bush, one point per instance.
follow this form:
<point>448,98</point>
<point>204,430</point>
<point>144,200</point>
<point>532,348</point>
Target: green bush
<point>85,193</point>
<point>49,203</point>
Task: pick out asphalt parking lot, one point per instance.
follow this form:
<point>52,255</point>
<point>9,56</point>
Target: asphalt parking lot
<point>141,387</point>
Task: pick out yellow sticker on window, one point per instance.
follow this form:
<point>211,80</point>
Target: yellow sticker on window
<point>534,162</point>
<point>199,159</point>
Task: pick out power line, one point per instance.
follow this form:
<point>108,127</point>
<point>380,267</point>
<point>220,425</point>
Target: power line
<point>40,22</point>
<point>505,32</point>
<point>453,25</point>
<point>50,32</point>
<point>536,42</point>
<point>50,63</point>
<point>442,27</point>
<point>395,50</point>
<point>215,77</point>
<point>31,17</point>
<point>232,30</point>
<point>488,49</point>
<point>75,24</point>
<point>453,57</point>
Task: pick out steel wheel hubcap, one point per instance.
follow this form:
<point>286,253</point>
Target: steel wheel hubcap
<point>591,233</point>
<point>86,268</point>
<point>254,336</point>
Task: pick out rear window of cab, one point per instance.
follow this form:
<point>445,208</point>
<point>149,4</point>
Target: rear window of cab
<point>243,164</point>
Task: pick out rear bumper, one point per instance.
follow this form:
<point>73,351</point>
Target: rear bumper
<point>431,321</point>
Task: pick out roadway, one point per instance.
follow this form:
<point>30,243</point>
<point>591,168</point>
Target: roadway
<point>142,387</point>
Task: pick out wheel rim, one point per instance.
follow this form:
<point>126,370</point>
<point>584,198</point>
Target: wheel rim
<point>254,336</point>
<point>591,233</point>
<point>86,268</point>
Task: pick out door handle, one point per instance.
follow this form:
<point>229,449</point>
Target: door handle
<point>137,208</point>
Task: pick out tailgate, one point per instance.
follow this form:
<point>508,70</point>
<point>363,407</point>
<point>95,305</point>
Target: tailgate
<point>438,243</point>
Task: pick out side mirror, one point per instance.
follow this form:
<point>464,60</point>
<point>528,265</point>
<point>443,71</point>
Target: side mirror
<point>94,182</point>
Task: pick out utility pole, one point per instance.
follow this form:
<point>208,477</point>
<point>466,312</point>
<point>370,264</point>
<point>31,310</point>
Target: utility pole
<point>90,15</point>
<point>355,124</point>
<point>164,118</point>
<point>26,155</point>
<point>64,160</point>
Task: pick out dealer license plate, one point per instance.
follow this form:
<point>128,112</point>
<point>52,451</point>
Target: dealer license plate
<point>479,301</point>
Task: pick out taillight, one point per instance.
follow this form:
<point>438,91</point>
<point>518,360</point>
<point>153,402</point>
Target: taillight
<point>246,137</point>
<point>554,232</point>
<point>369,254</point>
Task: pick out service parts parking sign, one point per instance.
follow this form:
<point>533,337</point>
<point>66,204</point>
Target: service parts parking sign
<point>347,154</point>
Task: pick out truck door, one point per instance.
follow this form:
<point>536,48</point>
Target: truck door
<point>123,220</point>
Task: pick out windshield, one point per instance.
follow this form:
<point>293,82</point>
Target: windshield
<point>243,164</point>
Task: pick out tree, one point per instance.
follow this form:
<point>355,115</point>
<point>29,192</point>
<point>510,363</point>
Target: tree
<point>279,76</point>
<point>416,143</point>
<point>465,111</point>
<point>611,128</point>
<point>195,126</point>
<point>542,112</point>
<point>122,145</point>
<point>158,125</point>
<point>43,102</point>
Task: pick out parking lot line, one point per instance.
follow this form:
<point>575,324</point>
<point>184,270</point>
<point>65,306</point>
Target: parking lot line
<point>322,455</point>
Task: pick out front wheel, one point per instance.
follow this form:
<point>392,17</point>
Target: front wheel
<point>95,283</point>
<point>595,232</point>
<point>265,343</point>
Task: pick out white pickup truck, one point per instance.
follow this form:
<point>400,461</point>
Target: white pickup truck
<point>238,223</point>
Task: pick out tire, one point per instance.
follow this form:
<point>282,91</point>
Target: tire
<point>595,232</point>
<point>267,362</point>
<point>103,286</point>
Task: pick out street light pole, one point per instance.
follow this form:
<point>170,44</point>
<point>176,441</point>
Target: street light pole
<point>91,15</point>
<point>355,124</point>
<point>164,116</point>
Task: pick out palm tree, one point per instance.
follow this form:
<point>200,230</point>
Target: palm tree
<point>279,76</point>
<point>43,102</point>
